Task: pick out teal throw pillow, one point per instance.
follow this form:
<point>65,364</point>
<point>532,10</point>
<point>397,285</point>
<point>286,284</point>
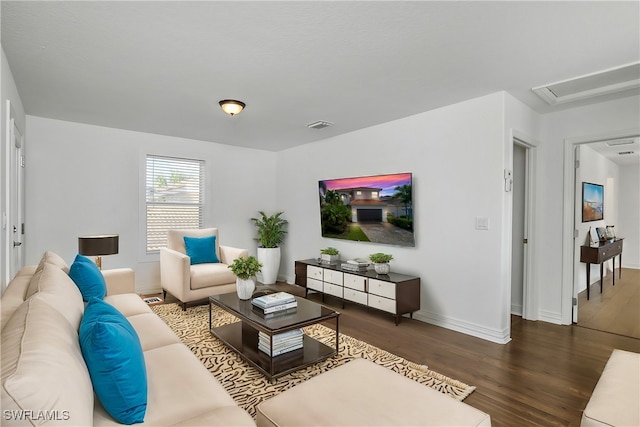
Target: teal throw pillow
<point>113,354</point>
<point>88,277</point>
<point>201,249</point>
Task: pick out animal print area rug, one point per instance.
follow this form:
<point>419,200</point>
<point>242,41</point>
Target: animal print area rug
<point>248,387</point>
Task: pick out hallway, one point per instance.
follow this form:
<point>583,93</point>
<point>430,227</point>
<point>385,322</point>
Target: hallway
<point>617,309</point>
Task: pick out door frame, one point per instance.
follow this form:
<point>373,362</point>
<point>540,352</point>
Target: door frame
<point>530,288</point>
<point>568,215</point>
<point>12,167</point>
<point>530,300</point>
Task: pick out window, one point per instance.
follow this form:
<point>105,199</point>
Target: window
<point>174,197</point>
<point>374,194</point>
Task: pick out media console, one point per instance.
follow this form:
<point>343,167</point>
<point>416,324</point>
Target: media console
<point>394,293</point>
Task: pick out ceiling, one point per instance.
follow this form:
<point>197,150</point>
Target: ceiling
<point>162,67</point>
<point>623,151</point>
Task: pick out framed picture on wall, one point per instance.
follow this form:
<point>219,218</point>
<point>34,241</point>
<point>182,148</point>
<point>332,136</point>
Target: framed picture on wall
<point>592,202</point>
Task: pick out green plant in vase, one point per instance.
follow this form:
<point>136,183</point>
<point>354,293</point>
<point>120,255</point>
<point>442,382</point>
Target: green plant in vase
<point>381,262</point>
<point>329,255</point>
<point>245,270</point>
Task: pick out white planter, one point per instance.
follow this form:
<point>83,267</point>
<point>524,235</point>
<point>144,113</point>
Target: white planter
<point>245,288</point>
<point>382,268</point>
<point>270,259</point>
<point>330,259</point>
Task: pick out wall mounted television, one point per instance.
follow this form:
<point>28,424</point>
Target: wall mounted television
<point>377,209</point>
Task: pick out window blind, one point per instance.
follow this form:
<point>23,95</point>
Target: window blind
<point>174,197</point>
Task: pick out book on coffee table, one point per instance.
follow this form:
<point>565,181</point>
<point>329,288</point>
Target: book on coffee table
<point>272,300</point>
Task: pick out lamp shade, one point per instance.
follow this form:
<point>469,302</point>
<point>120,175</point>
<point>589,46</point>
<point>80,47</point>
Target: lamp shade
<point>98,245</point>
<point>231,106</point>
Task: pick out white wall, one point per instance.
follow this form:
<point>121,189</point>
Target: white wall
<point>596,169</point>
<point>628,225</point>
<point>581,122</point>
<point>84,179</point>
<point>456,156</point>
<point>8,91</point>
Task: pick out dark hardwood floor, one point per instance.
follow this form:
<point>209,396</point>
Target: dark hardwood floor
<point>544,376</point>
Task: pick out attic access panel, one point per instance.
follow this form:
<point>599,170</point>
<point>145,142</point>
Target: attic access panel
<point>613,80</point>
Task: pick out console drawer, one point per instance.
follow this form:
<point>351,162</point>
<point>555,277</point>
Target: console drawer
<point>384,289</point>
<point>355,282</point>
<point>314,272</point>
<point>333,276</point>
<point>331,289</point>
<point>314,284</point>
<point>382,303</point>
<point>355,296</point>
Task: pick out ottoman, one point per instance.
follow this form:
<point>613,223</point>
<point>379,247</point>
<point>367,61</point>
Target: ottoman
<point>362,393</point>
<point>616,399</point>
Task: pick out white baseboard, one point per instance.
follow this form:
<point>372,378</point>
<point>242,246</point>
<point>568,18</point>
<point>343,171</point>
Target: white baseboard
<point>550,317</point>
<point>489,334</point>
<point>516,309</point>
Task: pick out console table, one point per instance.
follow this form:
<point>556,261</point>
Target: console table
<point>394,293</point>
<point>598,253</point>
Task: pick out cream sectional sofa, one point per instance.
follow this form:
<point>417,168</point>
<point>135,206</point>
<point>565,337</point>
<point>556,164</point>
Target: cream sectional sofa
<point>45,379</point>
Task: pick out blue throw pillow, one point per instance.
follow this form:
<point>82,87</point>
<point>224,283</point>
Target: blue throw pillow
<point>201,249</point>
<point>88,277</point>
<point>113,354</point>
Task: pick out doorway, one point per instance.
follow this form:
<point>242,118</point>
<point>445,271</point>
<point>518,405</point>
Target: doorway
<point>574,234</point>
<point>14,236</point>
<point>523,297</point>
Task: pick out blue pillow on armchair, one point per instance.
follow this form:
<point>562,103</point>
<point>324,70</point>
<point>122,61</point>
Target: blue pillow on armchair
<point>201,249</point>
<point>113,354</point>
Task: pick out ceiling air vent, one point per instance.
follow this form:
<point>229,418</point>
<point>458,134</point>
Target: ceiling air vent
<point>619,142</point>
<point>320,124</point>
<point>617,79</point>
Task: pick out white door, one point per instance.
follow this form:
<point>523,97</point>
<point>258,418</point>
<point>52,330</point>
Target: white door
<point>519,229</point>
<point>16,200</point>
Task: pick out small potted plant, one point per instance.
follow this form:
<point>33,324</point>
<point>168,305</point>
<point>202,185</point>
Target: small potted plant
<point>329,255</point>
<point>381,262</point>
<point>245,270</point>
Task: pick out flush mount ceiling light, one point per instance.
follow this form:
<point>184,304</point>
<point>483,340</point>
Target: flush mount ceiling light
<point>231,106</point>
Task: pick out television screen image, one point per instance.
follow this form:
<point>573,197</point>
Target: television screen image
<point>377,209</point>
<point>592,202</point>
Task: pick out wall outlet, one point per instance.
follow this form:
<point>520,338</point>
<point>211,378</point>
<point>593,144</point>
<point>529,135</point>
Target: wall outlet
<point>482,223</point>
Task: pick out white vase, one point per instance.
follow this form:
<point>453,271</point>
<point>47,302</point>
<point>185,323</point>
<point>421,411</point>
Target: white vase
<point>382,267</point>
<point>270,260</point>
<point>329,259</point>
<point>245,288</point>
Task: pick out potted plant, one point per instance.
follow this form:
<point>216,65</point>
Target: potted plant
<point>329,255</point>
<point>270,234</point>
<point>381,262</point>
<point>245,270</point>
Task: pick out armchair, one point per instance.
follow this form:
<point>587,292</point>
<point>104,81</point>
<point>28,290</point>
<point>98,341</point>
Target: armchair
<point>188,282</point>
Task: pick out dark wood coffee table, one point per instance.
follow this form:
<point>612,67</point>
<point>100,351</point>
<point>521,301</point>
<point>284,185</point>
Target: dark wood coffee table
<point>242,336</point>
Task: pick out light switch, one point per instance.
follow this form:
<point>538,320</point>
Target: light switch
<point>482,223</point>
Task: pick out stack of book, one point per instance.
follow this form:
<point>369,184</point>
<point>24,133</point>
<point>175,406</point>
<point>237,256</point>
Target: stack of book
<point>278,303</point>
<point>281,343</point>
<point>355,265</point>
